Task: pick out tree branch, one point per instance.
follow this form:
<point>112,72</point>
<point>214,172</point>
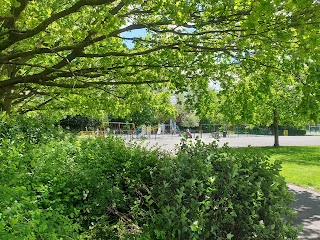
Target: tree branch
<point>123,54</point>
<point>32,65</point>
<point>39,106</point>
<point>42,26</point>
<point>86,72</point>
<point>196,33</point>
<point>138,26</point>
<point>5,17</point>
<point>79,46</point>
<point>89,84</point>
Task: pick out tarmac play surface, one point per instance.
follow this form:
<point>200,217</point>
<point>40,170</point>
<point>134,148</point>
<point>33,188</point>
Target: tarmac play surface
<point>169,142</point>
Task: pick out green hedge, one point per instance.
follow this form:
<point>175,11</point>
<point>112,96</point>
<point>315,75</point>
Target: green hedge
<point>297,132</point>
<point>71,188</point>
<point>210,193</point>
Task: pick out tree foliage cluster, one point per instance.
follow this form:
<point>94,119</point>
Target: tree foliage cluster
<point>72,55</point>
<point>64,187</point>
<point>154,109</point>
<point>80,123</point>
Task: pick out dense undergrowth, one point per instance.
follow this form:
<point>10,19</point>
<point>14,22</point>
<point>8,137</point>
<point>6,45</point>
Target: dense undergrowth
<point>54,185</point>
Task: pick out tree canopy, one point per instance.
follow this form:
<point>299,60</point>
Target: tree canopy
<point>263,98</point>
<point>72,54</point>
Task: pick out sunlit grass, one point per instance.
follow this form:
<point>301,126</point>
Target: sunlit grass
<point>300,165</point>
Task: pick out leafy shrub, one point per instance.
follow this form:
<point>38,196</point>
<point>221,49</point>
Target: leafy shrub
<point>65,187</point>
<point>71,188</point>
<point>80,123</point>
<point>24,190</point>
<point>211,193</point>
<point>25,129</point>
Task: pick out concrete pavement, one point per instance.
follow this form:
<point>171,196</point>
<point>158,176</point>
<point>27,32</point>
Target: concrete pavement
<point>307,207</point>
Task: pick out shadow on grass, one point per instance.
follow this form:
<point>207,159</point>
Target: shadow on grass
<point>307,206</point>
<point>297,155</point>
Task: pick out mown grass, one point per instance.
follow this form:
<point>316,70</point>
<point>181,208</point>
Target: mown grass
<point>300,165</point>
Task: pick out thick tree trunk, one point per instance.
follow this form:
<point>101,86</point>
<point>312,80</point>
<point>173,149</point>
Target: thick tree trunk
<point>276,128</point>
<point>7,105</point>
<point>5,100</point>
<point>6,93</point>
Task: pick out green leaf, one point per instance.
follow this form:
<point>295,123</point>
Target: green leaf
<point>230,236</point>
<point>15,3</point>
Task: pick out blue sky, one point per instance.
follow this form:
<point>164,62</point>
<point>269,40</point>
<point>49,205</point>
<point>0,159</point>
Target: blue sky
<point>134,33</point>
<point>142,33</point>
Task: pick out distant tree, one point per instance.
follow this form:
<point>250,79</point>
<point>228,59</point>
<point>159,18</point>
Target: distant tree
<point>263,98</point>
<point>186,116</point>
<point>156,110</point>
<point>190,120</point>
<point>80,123</point>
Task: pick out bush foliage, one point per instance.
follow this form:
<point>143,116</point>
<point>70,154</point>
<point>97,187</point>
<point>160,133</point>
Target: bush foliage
<point>80,123</point>
<point>58,186</point>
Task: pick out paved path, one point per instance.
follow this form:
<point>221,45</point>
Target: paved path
<point>307,206</point>
<point>307,201</point>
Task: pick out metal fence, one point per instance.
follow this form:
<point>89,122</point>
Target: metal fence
<point>229,131</point>
<point>313,129</point>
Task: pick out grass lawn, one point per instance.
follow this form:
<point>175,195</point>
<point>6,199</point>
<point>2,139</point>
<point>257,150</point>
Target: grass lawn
<point>300,165</point>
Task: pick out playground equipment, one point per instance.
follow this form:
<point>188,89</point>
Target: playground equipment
<point>111,128</point>
<point>121,127</point>
<point>87,134</point>
<point>125,130</point>
<point>170,128</point>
